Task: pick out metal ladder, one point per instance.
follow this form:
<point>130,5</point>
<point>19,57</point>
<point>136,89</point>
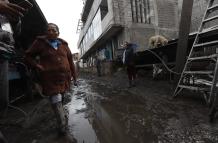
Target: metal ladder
<point>200,70</point>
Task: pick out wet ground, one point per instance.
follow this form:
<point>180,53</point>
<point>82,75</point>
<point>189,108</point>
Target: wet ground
<point>96,117</point>
<point>104,110</point>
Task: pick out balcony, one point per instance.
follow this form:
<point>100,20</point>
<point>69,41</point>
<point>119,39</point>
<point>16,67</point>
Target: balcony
<point>86,9</point>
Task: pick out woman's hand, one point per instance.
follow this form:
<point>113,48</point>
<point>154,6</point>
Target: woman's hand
<point>40,67</point>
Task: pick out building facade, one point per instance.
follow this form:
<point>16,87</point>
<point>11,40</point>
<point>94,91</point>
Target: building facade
<point>108,23</point>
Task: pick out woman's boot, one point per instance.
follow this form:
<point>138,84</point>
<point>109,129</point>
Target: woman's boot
<point>61,117</point>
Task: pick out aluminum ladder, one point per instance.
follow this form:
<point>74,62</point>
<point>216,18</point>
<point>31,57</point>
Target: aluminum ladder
<point>200,70</point>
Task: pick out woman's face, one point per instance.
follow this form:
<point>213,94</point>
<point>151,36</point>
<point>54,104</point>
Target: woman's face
<point>52,32</point>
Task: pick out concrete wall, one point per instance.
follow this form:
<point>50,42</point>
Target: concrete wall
<point>118,11</point>
<point>167,13</point>
<point>140,34</point>
<point>198,11</point>
<point>164,21</point>
<point>199,7</point>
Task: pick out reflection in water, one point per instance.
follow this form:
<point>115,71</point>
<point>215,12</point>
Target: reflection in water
<point>94,119</point>
<point>79,124</point>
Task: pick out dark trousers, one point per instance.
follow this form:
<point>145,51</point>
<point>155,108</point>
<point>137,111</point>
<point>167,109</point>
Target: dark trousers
<point>131,72</point>
<point>2,138</point>
<point>4,84</point>
<point>99,70</point>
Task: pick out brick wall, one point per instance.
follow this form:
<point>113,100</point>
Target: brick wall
<point>167,11</point>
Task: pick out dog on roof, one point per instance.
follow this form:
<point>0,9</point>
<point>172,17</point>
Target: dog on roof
<point>157,40</point>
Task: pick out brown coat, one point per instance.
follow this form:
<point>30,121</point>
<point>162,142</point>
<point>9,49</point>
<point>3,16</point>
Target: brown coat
<point>58,65</point>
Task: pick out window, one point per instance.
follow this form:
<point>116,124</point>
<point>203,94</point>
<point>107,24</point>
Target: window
<point>97,25</point>
<point>141,11</point>
<point>103,8</point>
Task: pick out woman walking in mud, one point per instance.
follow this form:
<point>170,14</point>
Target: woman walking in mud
<point>56,69</point>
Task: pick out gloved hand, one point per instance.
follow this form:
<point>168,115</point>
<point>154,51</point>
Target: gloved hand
<point>75,83</point>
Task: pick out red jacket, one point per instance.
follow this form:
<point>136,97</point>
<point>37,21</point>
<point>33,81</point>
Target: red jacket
<point>58,65</point>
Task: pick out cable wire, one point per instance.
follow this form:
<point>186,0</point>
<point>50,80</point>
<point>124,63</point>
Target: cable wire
<point>163,62</point>
<point>19,109</point>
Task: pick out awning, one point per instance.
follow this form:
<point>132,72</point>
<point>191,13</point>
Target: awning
<point>33,24</point>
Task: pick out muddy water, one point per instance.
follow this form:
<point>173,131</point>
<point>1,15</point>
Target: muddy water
<point>96,115</point>
<point>79,124</point>
<point>104,113</point>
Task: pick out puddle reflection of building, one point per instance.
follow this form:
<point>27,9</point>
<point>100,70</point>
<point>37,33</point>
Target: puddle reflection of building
<point>107,127</point>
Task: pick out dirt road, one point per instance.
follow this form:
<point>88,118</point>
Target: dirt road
<point>103,110</point>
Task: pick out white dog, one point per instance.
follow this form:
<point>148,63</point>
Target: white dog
<point>157,40</point>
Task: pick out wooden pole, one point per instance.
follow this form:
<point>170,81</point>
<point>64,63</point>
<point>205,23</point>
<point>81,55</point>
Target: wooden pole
<point>184,30</point>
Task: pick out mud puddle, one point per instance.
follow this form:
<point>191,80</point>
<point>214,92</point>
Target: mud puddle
<point>99,114</point>
<point>102,113</point>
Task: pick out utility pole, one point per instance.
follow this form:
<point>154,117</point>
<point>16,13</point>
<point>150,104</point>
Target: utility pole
<point>184,29</point>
